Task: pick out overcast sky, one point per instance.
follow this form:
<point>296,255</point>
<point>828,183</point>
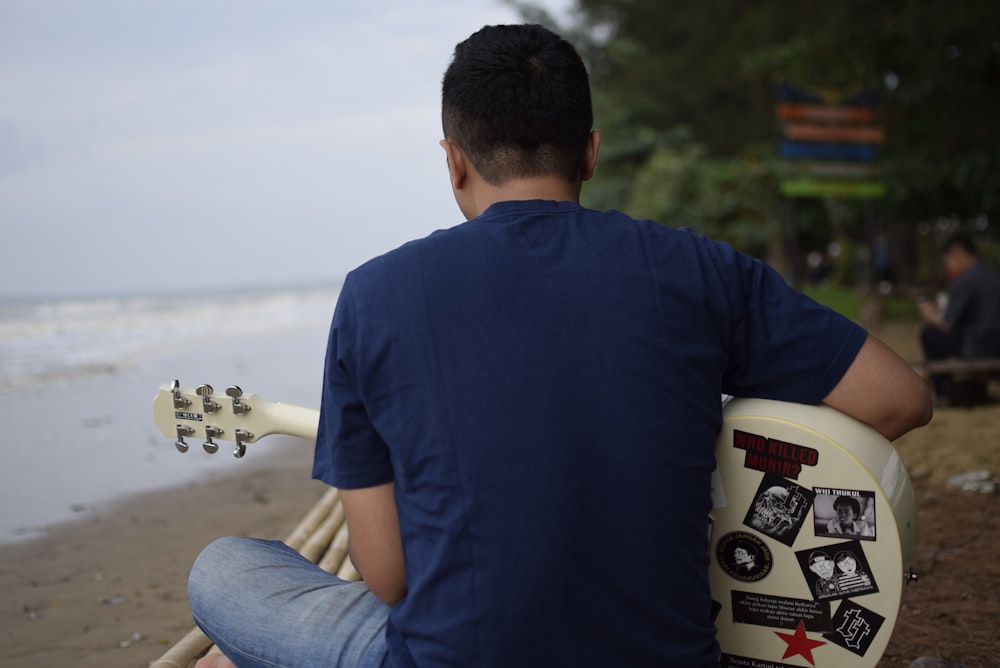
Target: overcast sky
<point>163,145</point>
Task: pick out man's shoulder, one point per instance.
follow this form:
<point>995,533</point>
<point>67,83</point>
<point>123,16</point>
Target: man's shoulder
<point>980,271</point>
<point>407,252</point>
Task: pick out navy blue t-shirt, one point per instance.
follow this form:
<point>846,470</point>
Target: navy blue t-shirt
<point>543,385</point>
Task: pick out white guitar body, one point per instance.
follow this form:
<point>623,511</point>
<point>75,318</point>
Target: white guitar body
<point>781,469</point>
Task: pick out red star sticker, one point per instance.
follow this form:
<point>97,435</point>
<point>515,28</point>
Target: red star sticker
<point>799,643</point>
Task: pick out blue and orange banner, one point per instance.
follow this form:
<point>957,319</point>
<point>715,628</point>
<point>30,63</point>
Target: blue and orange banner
<point>831,145</point>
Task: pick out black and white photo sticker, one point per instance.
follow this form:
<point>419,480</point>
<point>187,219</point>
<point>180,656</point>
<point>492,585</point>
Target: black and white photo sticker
<point>844,513</point>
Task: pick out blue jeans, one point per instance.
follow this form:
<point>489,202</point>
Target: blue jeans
<point>264,604</point>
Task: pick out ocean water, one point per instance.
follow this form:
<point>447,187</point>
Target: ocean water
<point>77,379</point>
<point>50,341</point>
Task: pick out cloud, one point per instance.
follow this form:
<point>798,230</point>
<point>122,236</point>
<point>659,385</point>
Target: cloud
<point>145,142</point>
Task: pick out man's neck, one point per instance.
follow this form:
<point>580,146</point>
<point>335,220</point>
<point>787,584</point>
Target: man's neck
<point>542,187</point>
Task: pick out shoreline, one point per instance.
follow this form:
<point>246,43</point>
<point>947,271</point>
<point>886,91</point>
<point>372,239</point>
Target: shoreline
<point>79,445</point>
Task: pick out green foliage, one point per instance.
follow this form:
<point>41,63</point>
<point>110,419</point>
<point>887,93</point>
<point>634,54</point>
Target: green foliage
<point>846,302</point>
<point>712,68</point>
<point>851,303</point>
<point>731,200</point>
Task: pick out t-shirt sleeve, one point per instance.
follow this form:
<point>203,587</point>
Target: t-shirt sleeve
<point>784,345</point>
<point>350,454</point>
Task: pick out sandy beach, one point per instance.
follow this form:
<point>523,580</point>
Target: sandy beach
<point>101,516</point>
<point>108,589</point>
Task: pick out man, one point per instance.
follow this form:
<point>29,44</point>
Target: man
<point>970,325</point>
<point>848,521</point>
<point>521,411</point>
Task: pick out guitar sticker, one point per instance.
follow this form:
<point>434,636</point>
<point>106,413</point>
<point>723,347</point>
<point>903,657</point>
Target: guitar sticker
<point>854,627</point>
<point>773,456</point>
<point>837,571</point>
<point>840,513</point>
<point>734,661</point>
<point>799,644</point>
<point>779,508</point>
<point>780,611</point>
<point>743,556</point>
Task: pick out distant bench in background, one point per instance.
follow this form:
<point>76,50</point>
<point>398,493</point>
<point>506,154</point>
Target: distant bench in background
<point>967,379</point>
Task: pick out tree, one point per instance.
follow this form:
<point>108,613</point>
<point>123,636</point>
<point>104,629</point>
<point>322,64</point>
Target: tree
<point>712,68</point>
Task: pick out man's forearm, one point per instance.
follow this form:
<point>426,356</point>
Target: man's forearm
<point>932,316</point>
<point>375,546</point>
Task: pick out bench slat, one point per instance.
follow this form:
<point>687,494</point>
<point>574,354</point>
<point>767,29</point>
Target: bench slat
<point>962,366</point>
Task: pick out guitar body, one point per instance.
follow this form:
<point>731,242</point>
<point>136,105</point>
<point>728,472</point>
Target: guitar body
<point>795,583</point>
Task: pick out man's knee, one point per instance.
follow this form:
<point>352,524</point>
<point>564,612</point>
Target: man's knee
<point>216,565</point>
<point>216,554</point>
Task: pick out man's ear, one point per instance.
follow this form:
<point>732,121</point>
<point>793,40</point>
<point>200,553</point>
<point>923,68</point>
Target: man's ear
<point>457,165</point>
<point>590,155</point>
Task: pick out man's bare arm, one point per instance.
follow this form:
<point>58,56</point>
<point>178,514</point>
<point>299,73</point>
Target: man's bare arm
<point>376,547</point>
<point>882,390</point>
<point>930,313</point>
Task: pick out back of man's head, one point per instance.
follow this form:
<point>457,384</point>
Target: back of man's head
<point>516,99</point>
<point>962,242</point>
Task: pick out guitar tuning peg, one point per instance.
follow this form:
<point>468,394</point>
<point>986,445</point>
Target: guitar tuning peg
<point>242,437</point>
<point>182,431</point>
<point>210,446</point>
<point>180,401</point>
<point>235,393</point>
<point>205,392</point>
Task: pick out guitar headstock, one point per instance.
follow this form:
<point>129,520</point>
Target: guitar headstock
<point>192,413</point>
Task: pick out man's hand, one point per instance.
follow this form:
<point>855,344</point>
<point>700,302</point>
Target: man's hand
<point>930,313</point>
<point>214,661</point>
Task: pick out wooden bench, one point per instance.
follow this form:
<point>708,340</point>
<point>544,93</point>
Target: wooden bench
<point>321,536</point>
<point>969,378</point>
<point>984,369</point>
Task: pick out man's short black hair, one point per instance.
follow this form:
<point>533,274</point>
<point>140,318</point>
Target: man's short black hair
<point>516,99</point>
<point>960,240</point>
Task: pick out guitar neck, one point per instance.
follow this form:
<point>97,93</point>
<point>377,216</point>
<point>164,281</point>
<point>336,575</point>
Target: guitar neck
<point>291,420</point>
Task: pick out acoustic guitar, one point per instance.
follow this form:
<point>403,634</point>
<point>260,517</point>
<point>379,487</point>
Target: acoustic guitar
<point>812,533</point>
